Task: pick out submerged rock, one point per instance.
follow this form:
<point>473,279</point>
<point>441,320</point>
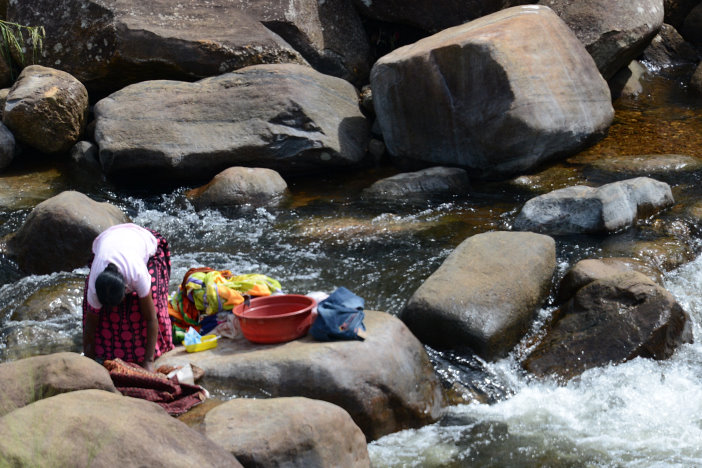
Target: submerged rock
<point>386,225</point>
<point>485,294</point>
<point>58,234</point>
<point>293,432</point>
<point>53,302</point>
<point>582,209</point>
<point>664,167</point>
<point>26,189</point>
<point>284,117</point>
<point>663,253</point>
<point>386,383</point>
<point>102,429</point>
<point>612,319</point>
<point>434,181</point>
<point>498,96</point>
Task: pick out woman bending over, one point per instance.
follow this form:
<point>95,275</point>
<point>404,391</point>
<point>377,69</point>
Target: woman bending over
<point>125,303</point>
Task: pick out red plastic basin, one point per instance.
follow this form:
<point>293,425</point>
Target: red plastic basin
<point>275,319</point>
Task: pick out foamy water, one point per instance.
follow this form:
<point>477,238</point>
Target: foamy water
<point>642,413</point>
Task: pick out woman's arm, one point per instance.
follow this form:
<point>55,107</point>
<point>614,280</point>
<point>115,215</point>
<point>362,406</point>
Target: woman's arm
<point>91,321</point>
<point>148,311</point>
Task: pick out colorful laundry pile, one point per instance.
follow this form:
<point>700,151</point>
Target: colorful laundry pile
<point>173,396</point>
<point>206,292</point>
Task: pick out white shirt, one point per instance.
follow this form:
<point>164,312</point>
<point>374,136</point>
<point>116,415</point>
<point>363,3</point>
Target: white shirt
<point>129,247</point>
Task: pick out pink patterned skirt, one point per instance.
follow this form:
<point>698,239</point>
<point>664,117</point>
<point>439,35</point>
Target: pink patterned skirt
<point>121,330</point>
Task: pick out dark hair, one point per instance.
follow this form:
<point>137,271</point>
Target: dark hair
<point>109,286</point>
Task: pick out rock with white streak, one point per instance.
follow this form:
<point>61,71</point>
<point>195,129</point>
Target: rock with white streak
<point>497,96</point>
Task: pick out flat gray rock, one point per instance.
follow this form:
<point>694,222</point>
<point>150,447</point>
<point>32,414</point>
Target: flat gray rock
<point>289,118</point>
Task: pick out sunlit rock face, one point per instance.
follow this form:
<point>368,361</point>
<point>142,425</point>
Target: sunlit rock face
<point>497,96</point>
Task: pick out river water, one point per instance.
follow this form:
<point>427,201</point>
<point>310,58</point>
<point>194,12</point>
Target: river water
<point>325,235</point>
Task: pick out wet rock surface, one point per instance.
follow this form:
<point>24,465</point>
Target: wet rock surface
<point>612,319</point>
<point>485,294</point>
<point>435,181</point>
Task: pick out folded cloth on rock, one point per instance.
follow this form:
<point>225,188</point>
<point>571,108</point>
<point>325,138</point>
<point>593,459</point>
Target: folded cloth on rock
<point>339,317</point>
<point>134,381</point>
<point>205,291</point>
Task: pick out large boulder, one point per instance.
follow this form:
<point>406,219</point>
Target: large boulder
<point>429,15</point>
<point>582,209</point>
<point>434,181</point>
<point>386,383</point>
<point>284,117</point>
<point>615,318</point>
<point>46,109</point>
<point>239,186</point>
<point>108,44</point>
<point>329,34</point>
<point>485,294</point>
<point>28,380</point>
<point>58,234</point>
<point>101,429</point>
<point>293,432</point>
<point>499,95</point>
<point>614,33</point>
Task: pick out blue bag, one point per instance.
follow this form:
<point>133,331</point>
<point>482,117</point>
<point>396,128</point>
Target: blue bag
<point>339,317</point>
